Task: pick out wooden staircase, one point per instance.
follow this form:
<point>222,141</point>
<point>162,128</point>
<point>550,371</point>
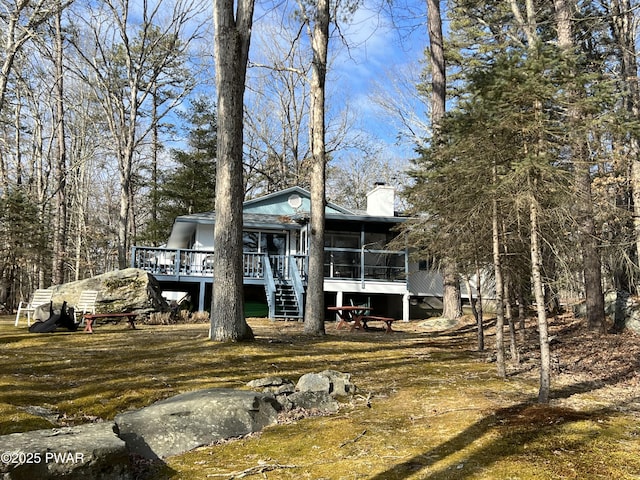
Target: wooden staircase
<point>284,291</point>
<point>286,303</point>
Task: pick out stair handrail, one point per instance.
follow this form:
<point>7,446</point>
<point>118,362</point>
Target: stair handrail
<point>296,282</point>
<point>269,285</point>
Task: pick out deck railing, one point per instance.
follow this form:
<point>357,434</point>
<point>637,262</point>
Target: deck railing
<point>340,263</point>
<point>364,264</point>
<point>296,280</point>
<point>270,287</point>
<point>188,262</point>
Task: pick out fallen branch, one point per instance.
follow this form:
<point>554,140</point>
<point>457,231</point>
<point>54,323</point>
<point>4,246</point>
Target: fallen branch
<point>451,410</point>
<point>367,399</point>
<point>251,471</point>
<point>354,440</point>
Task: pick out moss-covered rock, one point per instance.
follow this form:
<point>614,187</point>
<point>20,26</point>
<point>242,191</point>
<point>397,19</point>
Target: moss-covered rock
<point>84,451</point>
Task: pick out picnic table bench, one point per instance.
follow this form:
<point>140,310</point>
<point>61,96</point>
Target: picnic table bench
<point>89,318</point>
<point>372,318</point>
<point>349,313</point>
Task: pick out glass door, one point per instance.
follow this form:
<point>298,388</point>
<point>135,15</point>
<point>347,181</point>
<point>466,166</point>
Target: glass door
<point>274,244</point>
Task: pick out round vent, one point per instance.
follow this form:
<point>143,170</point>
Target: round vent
<point>295,200</point>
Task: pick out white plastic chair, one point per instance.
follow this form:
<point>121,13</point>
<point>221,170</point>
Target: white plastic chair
<point>86,304</point>
<point>40,297</point>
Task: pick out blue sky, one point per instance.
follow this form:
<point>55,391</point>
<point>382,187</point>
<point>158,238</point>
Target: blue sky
<point>384,58</point>
<point>377,53</point>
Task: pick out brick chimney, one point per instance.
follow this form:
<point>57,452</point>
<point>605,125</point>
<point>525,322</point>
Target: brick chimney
<point>381,200</point>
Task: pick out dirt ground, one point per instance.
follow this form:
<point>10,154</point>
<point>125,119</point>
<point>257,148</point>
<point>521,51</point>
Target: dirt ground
<point>605,363</point>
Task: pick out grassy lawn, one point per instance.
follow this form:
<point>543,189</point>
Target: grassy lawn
<point>428,405</point>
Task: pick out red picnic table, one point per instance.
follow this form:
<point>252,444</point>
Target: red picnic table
<point>91,317</point>
<point>350,313</point>
<point>359,315</point>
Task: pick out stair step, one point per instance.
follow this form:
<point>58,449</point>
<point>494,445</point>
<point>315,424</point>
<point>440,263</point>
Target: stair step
<point>286,302</point>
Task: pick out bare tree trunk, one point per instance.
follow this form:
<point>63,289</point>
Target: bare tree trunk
<point>438,65</point>
<point>452,306</point>
<point>314,311</point>
<point>126,160</point>
<point>155,149</point>
<point>60,226</point>
<point>472,300</point>
<point>624,27</point>
<point>80,193</point>
<point>513,345</point>
<point>125,150</point>
<point>522,315</point>
<point>476,313</point>
<point>529,26</point>
<point>10,50</point>
<point>480,308</point>
<point>41,166</point>
<point>497,266</point>
<point>17,125</point>
<point>232,37</point>
<point>451,300</point>
<point>132,229</point>
<point>545,356</point>
<point>591,263</point>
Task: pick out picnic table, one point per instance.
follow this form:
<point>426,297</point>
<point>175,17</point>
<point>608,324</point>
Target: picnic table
<point>359,316</point>
<point>90,318</point>
<point>350,313</point>
<point>388,322</point>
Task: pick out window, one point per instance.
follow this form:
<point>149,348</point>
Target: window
<point>273,243</point>
<point>250,241</point>
<point>342,240</point>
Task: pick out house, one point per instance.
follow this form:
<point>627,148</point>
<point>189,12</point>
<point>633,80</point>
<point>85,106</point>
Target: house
<point>359,267</point>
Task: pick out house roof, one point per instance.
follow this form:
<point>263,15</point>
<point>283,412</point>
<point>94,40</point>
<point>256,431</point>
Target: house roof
<point>286,209</point>
<point>290,201</point>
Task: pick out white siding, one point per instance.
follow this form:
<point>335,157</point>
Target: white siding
<point>204,238</point>
<point>424,282</point>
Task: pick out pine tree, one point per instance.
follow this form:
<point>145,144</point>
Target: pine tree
<point>190,187</point>
<point>23,240</point>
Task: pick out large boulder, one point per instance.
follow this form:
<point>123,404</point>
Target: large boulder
<point>624,309</point>
<point>125,290</point>
<point>336,384</point>
<point>276,386</point>
<point>313,391</point>
<point>312,401</point>
<point>438,323</point>
<point>75,453</point>
<point>184,422</point>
